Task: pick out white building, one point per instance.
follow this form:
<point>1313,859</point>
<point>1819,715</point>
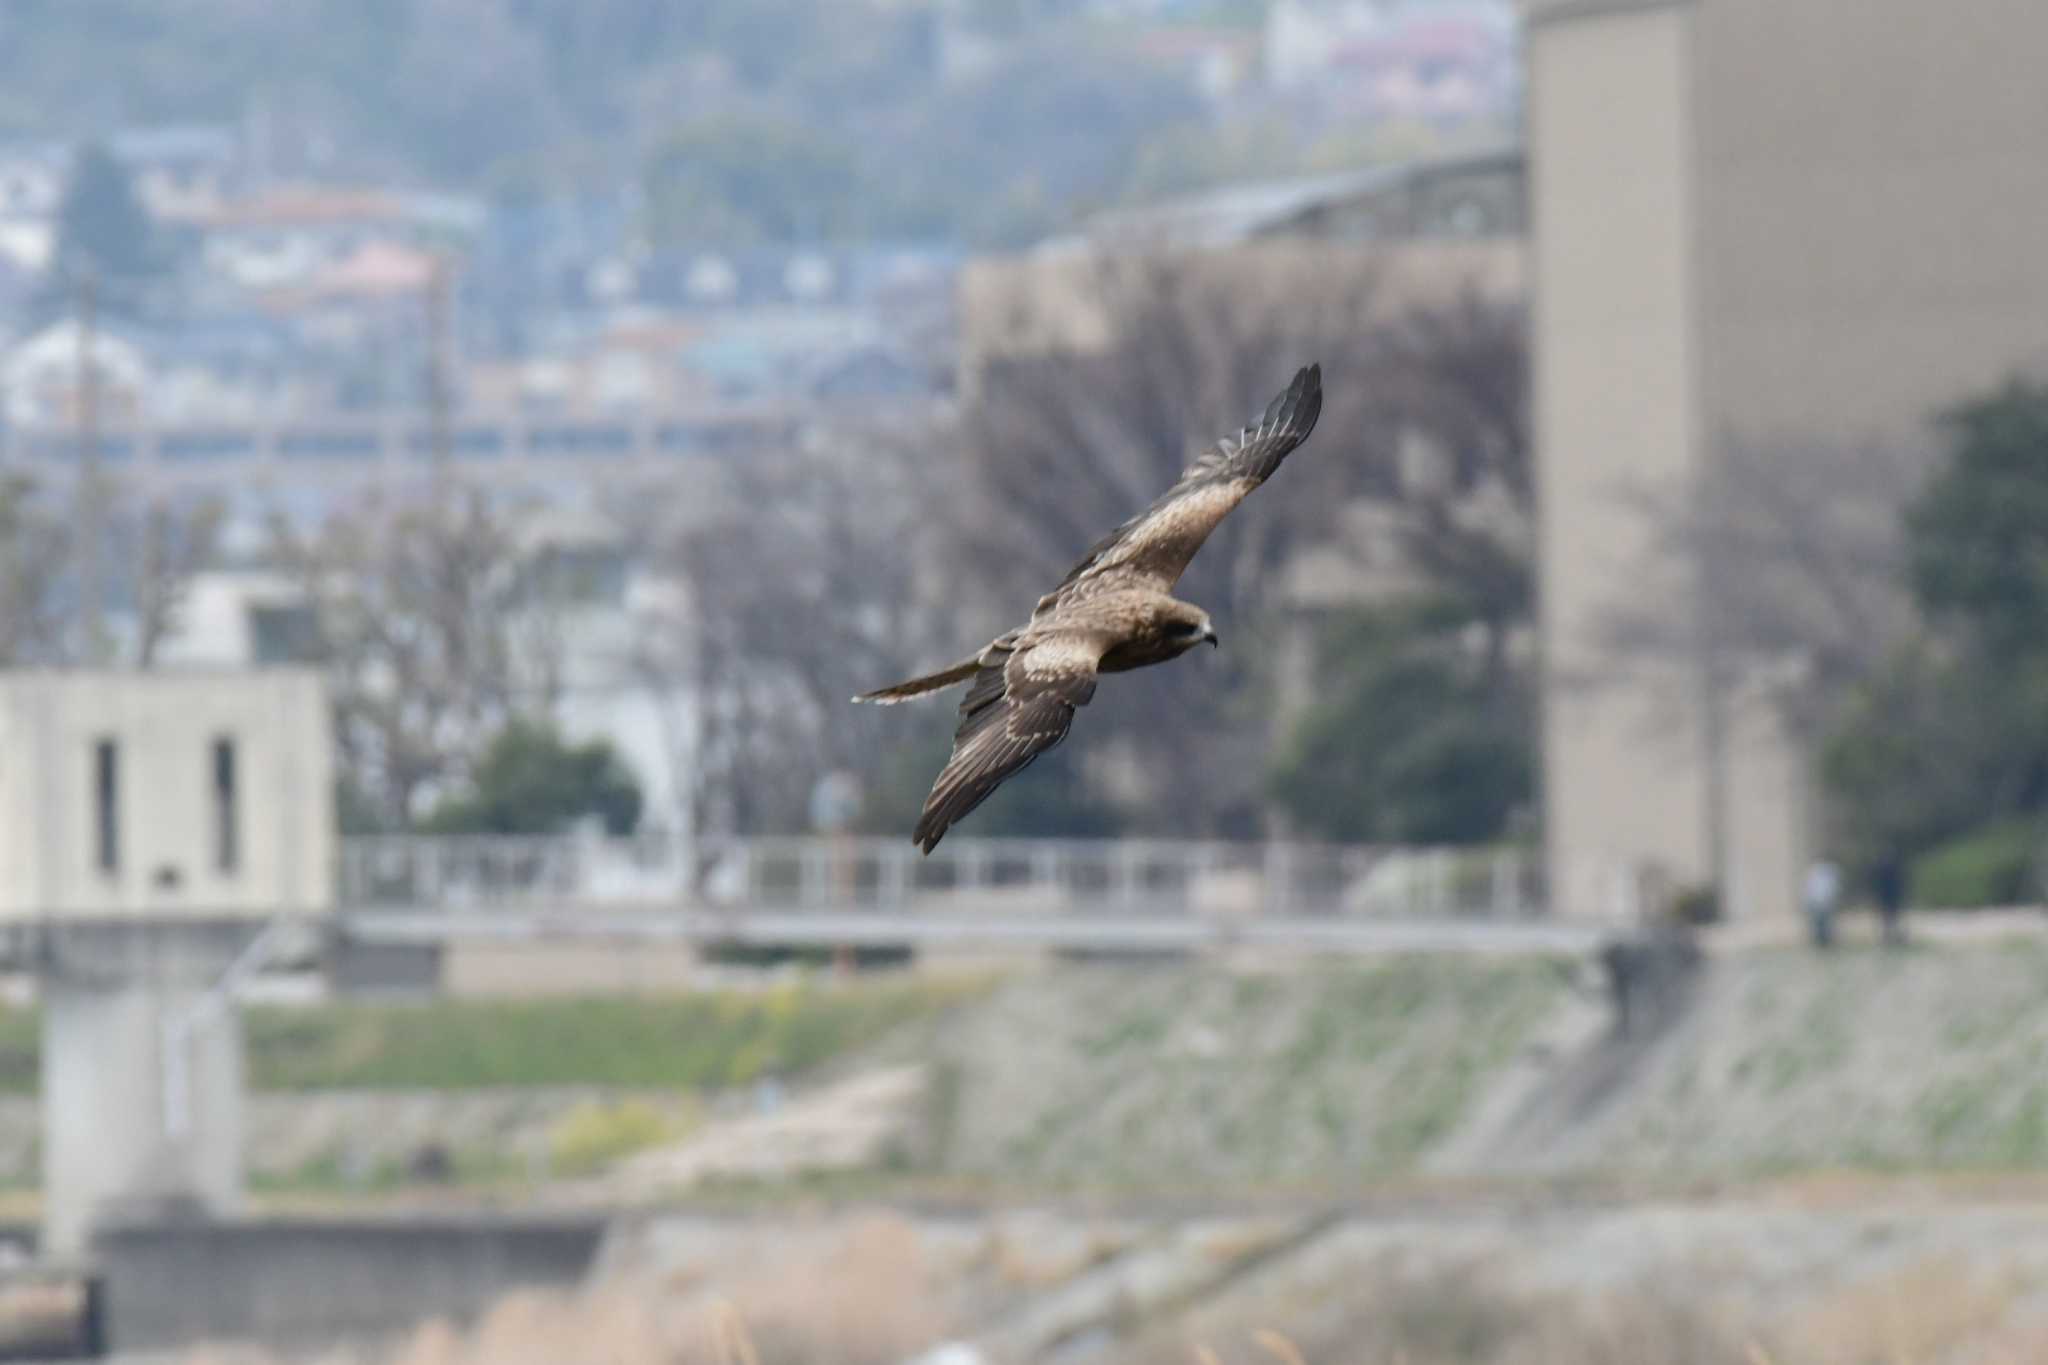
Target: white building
<point>237,619</point>
<point>612,635</point>
<point>206,795</point>
<point>40,375</point>
<point>601,637</point>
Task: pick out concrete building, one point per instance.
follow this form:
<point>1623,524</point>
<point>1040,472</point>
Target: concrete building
<point>1753,222</point>
<point>1042,302</point>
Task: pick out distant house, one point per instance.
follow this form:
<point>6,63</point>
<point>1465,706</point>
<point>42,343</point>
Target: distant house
<point>40,375</point>
<point>778,351</point>
<point>179,173</point>
<point>181,170</point>
<point>879,371</point>
<point>232,367</point>
<point>1217,61</point>
<point>783,276</point>
<point>31,188</point>
<point>238,365</point>
<point>1436,60</point>
<point>283,236</point>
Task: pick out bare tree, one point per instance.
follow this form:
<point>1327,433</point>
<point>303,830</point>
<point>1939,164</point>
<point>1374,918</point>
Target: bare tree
<point>414,602</point>
<point>1795,556</point>
<point>151,550</point>
<point>1056,447</point>
<point>165,546</point>
<point>34,547</point>
<point>797,588</point>
<point>1455,379</point>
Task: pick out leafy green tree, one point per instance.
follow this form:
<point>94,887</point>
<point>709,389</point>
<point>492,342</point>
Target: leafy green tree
<point>1416,739</point>
<point>530,781</point>
<point>735,180</point>
<point>101,226</point>
<point>1979,533</point>
<point>1950,739</point>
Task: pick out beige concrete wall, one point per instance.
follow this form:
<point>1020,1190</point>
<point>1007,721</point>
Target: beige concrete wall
<point>1873,189</point>
<point>164,727</point>
<point>1615,309</point>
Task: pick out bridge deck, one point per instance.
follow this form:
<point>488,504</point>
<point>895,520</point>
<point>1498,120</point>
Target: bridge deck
<point>871,928</point>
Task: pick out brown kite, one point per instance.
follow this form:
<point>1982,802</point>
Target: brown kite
<point>1115,611</point>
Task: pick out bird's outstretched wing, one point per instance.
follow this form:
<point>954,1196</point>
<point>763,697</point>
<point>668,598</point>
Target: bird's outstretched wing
<point>1153,548</point>
<point>1021,702</point>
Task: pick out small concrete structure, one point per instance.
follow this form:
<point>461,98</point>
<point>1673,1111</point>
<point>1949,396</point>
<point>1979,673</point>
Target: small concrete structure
<point>142,1081</point>
<point>156,834</point>
<point>171,796</point>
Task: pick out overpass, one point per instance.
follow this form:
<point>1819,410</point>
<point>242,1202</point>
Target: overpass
<point>350,449</point>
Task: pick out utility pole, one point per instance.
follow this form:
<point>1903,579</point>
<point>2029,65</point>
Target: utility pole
<point>1711,670</point>
<point>92,502</point>
<point>439,398</point>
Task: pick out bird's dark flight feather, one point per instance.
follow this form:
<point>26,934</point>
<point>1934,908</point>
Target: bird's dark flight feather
<point>1019,705</point>
<point>1157,544</point>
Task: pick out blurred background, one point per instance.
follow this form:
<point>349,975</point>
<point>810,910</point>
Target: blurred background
<point>457,458</point>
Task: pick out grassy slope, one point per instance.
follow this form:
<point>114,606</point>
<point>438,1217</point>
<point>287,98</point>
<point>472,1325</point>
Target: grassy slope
<point>707,1039</point>
<point>1183,1076</point>
<point>1180,1078</point>
<point>1929,1059</point>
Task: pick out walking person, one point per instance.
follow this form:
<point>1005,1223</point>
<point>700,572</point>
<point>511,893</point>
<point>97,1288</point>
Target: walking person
<point>1889,884</point>
<point>1823,892</point>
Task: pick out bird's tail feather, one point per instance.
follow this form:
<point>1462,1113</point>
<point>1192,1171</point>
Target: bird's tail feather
<point>930,682</point>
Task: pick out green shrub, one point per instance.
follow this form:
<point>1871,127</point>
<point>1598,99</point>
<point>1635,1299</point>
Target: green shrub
<point>592,1137</point>
<point>704,1039</point>
<point>1996,865</point>
<point>1697,905</point>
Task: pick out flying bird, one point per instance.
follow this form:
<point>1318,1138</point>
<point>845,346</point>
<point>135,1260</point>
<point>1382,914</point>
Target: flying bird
<point>1114,611</point>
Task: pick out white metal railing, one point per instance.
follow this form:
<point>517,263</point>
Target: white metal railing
<point>1002,875</point>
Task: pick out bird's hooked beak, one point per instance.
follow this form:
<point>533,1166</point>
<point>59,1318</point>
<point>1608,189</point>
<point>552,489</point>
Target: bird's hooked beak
<point>1209,634</point>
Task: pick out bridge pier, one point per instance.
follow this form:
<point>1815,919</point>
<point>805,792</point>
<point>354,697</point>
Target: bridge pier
<point>141,1074</point>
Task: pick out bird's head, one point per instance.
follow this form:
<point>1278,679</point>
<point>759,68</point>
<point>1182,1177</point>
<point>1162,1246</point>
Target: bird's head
<point>1188,626</point>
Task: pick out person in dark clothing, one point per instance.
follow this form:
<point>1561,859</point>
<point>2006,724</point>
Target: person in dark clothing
<point>1888,882</point>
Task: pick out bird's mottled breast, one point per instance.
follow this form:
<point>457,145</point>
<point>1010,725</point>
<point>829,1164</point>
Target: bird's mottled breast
<point>1139,623</point>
